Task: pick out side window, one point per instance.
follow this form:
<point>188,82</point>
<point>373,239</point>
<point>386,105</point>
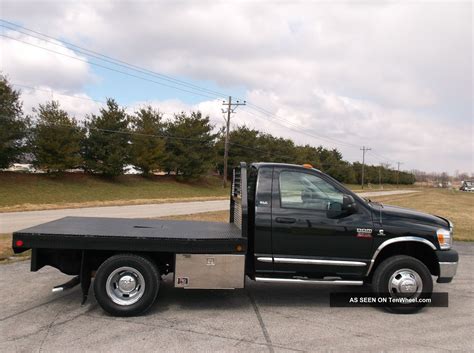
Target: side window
<point>304,190</point>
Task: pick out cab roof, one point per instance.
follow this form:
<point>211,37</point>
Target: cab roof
<point>259,165</point>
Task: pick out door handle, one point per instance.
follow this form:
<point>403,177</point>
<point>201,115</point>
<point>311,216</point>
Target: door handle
<point>285,220</point>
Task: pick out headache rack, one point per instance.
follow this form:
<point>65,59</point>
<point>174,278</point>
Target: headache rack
<point>238,198</point>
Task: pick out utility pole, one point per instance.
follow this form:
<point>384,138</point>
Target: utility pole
<point>382,165</point>
<point>380,176</point>
<point>363,149</point>
<point>229,110</point>
<point>398,173</point>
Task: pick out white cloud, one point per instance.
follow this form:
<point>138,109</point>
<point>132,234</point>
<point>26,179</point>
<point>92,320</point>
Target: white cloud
<point>396,76</point>
<point>59,67</point>
<point>78,105</point>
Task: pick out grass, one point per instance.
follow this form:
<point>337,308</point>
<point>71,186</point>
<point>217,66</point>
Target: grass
<point>376,187</point>
<point>215,216</point>
<point>456,205</point>
<point>20,192</point>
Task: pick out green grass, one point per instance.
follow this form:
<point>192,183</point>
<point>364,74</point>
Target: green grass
<point>28,191</point>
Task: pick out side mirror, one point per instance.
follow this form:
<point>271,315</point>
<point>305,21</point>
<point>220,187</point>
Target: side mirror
<point>348,204</point>
<point>338,210</point>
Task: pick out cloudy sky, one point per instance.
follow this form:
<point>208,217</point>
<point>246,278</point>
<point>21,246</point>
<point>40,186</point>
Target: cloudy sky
<point>395,76</point>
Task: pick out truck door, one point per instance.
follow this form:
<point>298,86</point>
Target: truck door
<point>308,240</point>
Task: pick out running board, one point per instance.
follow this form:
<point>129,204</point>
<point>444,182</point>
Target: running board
<point>309,281</point>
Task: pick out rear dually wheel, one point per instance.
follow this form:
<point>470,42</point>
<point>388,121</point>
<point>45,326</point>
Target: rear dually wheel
<point>126,284</point>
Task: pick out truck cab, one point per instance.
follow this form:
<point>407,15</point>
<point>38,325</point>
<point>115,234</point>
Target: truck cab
<point>305,225</point>
<point>287,224</point>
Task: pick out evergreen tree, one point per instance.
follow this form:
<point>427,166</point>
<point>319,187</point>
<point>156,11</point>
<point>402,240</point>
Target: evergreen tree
<point>13,126</point>
<point>106,148</point>
<point>147,148</point>
<point>244,147</point>
<point>190,148</point>
<point>56,139</point>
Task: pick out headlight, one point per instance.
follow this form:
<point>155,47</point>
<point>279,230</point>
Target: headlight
<point>445,238</point>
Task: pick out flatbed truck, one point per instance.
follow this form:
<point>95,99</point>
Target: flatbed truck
<point>287,224</point>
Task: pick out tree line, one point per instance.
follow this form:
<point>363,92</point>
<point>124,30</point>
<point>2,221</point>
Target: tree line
<point>187,145</point>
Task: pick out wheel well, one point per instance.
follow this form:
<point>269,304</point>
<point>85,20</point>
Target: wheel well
<point>417,250</point>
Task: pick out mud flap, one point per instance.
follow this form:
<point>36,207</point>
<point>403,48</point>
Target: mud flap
<point>85,277</point>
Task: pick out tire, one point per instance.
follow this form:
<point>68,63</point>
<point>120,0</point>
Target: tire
<point>403,273</point>
<point>126,284</point>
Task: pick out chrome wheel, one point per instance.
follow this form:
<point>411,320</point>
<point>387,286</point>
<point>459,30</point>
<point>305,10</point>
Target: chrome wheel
<point>405,283</point>
<point>125,286</point>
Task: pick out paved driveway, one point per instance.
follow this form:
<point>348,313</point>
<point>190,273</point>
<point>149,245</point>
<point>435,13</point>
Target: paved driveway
<point>260,318</point>
<point>12,221</point>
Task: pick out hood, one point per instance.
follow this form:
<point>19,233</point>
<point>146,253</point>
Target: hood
<point>417,216</point>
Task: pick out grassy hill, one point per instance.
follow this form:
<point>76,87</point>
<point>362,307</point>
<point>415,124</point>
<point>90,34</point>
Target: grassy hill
<point>20,191</point>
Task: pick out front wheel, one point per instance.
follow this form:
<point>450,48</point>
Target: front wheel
<point>404,279</point>
<point>126,284</point>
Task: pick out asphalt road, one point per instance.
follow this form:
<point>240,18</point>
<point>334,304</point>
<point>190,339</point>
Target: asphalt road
<point>12,221</point>
<point>259,318</point>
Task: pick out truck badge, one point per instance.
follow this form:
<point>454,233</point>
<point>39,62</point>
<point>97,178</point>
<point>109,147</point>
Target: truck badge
<point>364,233</point>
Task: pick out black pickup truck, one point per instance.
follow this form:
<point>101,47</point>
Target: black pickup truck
<point>287,224</point>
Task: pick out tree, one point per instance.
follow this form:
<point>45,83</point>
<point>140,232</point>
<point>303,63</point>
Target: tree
<point>148,148</point>
<point>106,148</point>
<point>56,139</point>
<point>307,154</point>
<point>277,149</point>
<point>244,147</point>
<point>190,147</point>
<point>13,126</point>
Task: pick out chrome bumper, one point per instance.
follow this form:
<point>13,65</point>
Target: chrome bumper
<point>447,269</point>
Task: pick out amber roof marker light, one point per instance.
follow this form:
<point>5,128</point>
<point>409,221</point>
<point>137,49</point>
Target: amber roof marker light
<point>307,166</point>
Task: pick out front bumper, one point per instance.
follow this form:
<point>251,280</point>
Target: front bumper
<point>448,265</point>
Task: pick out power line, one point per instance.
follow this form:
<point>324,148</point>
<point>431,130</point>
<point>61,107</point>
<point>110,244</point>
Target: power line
<point>204,92</point>
<point>107,68</point>
<point>384,158</point>
<point>108,59</point>
<point>145,71</point>
<point>295,127</point>
<point>330,139</point>
<point>70,95</point>
<point>56,93</point>
<point>103,102</point>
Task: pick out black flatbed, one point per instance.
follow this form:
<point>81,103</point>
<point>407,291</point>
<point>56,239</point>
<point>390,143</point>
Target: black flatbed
<point>134,235</point>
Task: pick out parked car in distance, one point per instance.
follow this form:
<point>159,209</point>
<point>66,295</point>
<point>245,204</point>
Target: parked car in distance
<point>467,185</point>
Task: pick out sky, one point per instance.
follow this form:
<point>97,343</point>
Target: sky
<point>395,76</point>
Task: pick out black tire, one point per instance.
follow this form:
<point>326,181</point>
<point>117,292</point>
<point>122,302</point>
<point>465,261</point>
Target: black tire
<point>140,269</point>
<point>389,267</point>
